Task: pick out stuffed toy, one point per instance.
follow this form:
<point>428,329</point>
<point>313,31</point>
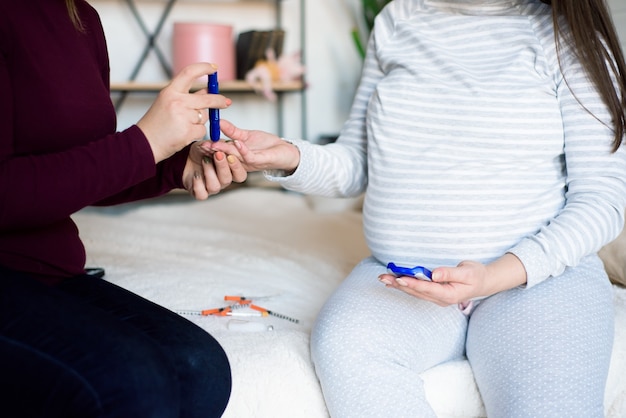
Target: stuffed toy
<point>271,70</point>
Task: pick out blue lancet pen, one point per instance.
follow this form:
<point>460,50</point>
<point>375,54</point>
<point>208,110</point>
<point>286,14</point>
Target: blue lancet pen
<point>214,114</point>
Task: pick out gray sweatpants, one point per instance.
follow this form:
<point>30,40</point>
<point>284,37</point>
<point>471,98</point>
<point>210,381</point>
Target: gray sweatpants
<point>538,352</point>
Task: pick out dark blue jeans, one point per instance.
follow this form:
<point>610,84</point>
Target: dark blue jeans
<point>88,348</point>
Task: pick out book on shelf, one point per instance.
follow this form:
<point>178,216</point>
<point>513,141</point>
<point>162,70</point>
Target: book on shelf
<point>252,46</point>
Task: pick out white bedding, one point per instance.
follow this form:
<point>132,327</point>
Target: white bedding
<point>188,255</point>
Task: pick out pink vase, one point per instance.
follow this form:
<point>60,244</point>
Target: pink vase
<point>204,42</point>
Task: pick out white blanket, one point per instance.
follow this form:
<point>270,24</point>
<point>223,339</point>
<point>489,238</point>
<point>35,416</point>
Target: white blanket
<point>188,255</point>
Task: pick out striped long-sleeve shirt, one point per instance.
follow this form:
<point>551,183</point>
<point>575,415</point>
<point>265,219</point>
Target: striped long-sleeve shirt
<point>470,141</point>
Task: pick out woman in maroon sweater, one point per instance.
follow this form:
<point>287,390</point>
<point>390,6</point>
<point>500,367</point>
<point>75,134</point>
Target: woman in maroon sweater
<point>71,344</point>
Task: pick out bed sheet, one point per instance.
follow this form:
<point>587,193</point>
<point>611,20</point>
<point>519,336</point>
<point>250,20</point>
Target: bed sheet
<point>270,244</point>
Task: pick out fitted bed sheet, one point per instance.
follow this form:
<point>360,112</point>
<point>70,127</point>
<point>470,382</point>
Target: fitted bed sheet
<point>275,246</point>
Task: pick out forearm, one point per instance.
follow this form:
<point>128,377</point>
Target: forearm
<point>168,176</point>
<point>46,188</point>
<point>334,170</point>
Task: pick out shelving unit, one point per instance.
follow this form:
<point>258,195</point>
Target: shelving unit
<point>234,86</point>
<point>123,89</point>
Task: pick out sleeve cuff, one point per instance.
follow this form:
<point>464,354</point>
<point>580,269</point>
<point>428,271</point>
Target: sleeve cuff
<point>300,175</point>
<point>538,266</point>
<point>173,168</point>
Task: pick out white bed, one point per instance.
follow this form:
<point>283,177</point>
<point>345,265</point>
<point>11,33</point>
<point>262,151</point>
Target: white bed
<point>254,242</point>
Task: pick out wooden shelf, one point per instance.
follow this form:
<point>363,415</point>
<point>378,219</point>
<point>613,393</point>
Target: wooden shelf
<point>234,86</point>
<point>212,1</point>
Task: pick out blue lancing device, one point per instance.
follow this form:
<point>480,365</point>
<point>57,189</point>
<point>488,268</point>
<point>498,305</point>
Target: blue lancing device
<point>214,114</point>
<point>418,272</point>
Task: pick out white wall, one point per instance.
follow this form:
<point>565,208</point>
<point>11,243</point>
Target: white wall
<point>333,65</point>
<point>618,9</point>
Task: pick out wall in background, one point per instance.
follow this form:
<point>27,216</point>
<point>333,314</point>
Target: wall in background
<point>618,9</point>
<point>333,66</point>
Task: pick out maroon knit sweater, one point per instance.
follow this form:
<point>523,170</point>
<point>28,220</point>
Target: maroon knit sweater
<point>59,149</point>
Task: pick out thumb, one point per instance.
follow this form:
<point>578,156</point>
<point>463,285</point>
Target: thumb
<point>440,274</point>
<point>184,80</point>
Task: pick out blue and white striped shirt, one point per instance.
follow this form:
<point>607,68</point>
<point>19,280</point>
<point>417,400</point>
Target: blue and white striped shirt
<point>470,144</point>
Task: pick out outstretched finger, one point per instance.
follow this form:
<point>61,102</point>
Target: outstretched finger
<point>227,147</point>
<point>232,131</point>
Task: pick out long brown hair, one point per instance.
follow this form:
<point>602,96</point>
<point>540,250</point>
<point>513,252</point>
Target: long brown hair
<point>74,16</point>
<point>595,41</point>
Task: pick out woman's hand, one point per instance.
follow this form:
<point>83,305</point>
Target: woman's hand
<point>468,280</point>
<point>177,117</point>
<point>257,150</point>
<point>206,174</point>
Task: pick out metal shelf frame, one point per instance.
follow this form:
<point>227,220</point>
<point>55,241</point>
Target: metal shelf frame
<point>151,36</point>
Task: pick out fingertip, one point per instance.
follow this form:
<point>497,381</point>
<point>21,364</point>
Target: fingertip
<point>401,282</point>
<point>207,146</point>
<point>198,191</point>
<point>384,280</point>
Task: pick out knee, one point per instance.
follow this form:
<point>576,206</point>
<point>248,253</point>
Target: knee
<point>191,379</point>
<point>145,385</point>
<point>206,363</point>
<point>205,376</point>
<point>336,345</point>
